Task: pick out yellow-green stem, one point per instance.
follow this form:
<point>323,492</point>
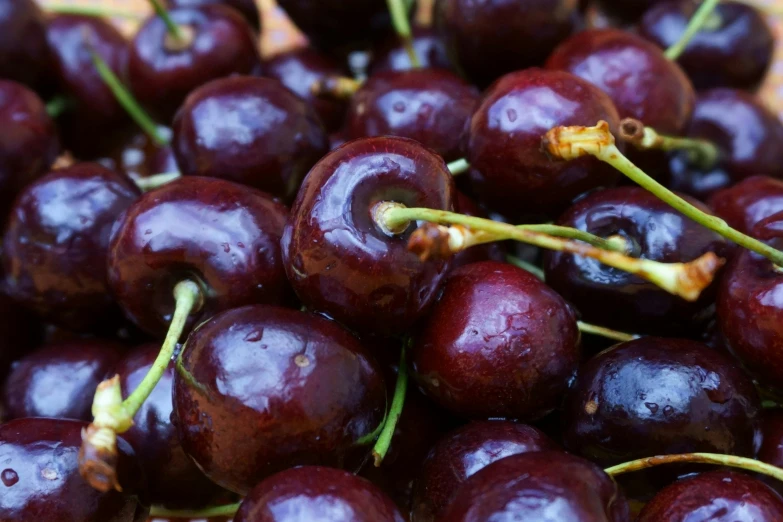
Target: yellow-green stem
<point>58,105</point>
<point>399,11</point>
<point>395,410</point>
<point>695,25</point>
<point>93,10</point>
<point>528,267</point>
<point>701,152</point>
<point>605,332</point>
<point>730,461</point>
<point>458,167</point>
<point>172,28</point>
<point>217,511</point>
<point>156,180</point>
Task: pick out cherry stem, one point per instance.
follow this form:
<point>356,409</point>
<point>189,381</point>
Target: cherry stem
<point>395,410</point>
<point>340,87</point>
<point>686,280</point>
<point>524,265</point>
<point>156,180</point>
<point>217,511</point>
<point>399,10</point>
<point>90,10</point>
<point>172,28</point>
<point>614,243</point>
<point>703,153</point>
<point>730,461</point>
<point>126,99</point>
<point>605,332</point>
<point>458,167</point>
<point>569,143</point>
<point>58,105</point>
<point>696,23</point>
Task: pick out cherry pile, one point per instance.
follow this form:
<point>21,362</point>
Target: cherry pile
<point>513,265</point>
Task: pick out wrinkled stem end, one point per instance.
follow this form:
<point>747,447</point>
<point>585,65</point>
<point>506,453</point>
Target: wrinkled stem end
<point>438,242</point>
<point>687,280</point>
<point>701,152</point>
<point>569,143</point>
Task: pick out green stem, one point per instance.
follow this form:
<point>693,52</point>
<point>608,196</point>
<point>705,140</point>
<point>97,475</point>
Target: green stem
<point>92,10</point>
<point>126,99</point>
<point>395,410</point>
<point>528,267</point>
<point>399,14</point>
<point>605,332</point>
<point>612,243</point>
<point>218,511</point>
<point>172,28</point>
<point>458,167</point>
<point>58,105</point>
<point>156,180</point>
<point>730,461</point>
<point>703,153</point>
<point>695,25</point>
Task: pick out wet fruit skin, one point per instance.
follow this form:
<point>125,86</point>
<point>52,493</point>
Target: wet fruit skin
<point>248,8</point>
<point>511,174</point>
<point>221,235</point>
<point>261,389</point>
<point>658,396</point>
<point>498,343</point>
<point>431,106</point>
<point>174,480</point>
<point>735,53</point>
<point>545,486</point>
<point>317,493</point>
<point>59,380</point>
<point>249,130</point>
<point>616,299</point>
<point>24,52</point>
<point>56,242</point>
<point>391,55</point>
<point>720,496</point>
<point>746,203</point>
<point>161,76</point>
<point>338,261</point>
<point>464,452</point>
<point>489,39</point>
<point>40,478</point>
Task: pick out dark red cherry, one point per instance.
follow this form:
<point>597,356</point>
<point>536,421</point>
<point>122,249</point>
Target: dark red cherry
<point>746,203</point>
<point>59,380</point>
<point>659,396</point>
<point>715,496</point>
<point>248,8</point>
<point>28,140</point>
<point>139,156</point>
<point>486,252</point>
<point>174,480</point>
<point>317,493</point>
<point>542,486</point>
<point>19,333</point>
<point>431,106</point>
<point>391,55</point>
<point>511,174</point>
<point>162,72</point>
<point>249,130</point>
<point>24,51</point>
<point>498,343</point>
<point>771,448</point>
<point>653,230</point>
<point>261,389</point>
<point>40,480</point>
<point>223,236</point>
<point>491,38</point>
<point>56,242</point>
<point>339,261</point>
<point>463,453</point>
<point>733,50</point>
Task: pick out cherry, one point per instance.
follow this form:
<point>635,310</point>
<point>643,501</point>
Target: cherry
<point>543,486</point>
<point>260,389</point>
<point>317,493</point>
<point>40,479</point>
<point>56,242</point>
<point>391,54</point>
<point>463,453</point>
<point>140,157</point>
<point>299,69</point>
<point>249,130</point>
<point>59,380</point>
<point>339,261</point>
<point>223,236</point>
<point>511,174</point>
<point>653,230</point>
<point>431,106</point>
<point>216,42</point>
<point>746,203</point>
<point>248,8</point>
<point>771,448</point>
<point>486,252</point>
<point>28,140</point>
<point>24,51</point>
<point>734,49</point>
<point>491,38</point>
<point>498,343</point>
<point>722,495</point>
<point>658,396</point>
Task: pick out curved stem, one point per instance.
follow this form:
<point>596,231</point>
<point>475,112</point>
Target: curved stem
<point>524,265</point>
<point>458,167</point>
<point>217,511</point>
<point>572,142</point>
<point>156,180</point>
<point>399,15</point>
<point>612,243</point>
<point>395,410</point>
<point>730,461</point>
<point>695,24</point>
<point>703,153</point>
<point>172,28</point>
<point>605,332</point>
<point>58,105</point>
<point>93,10</point>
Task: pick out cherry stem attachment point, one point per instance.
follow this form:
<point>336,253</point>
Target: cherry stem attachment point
<point>605,332</point>
<point>730,461</point>
<point>340,87</point>
<point>569,143</point>
<point>399,11</point>
<point>395,410</point>
<point>173,29</point>
<point>156,180</point>
<point>93,10</point>
<point>458,167</point>
<point>703,153</point>
<point>58,105</point>
<point>217,511</point>
<point>696,23</point>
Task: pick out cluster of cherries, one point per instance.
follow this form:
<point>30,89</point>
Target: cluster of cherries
<point>219,271</point>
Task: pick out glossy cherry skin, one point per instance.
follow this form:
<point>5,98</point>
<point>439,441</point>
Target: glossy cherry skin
<point>24,51</point>
<point>261,389</point>
<point>161,75</point>
<point>463,453</point>
<point>511,174</point>
<point>140,157</point>
<point>248,8</point>
<point>56,241</point>
<point>318,494</point>
<point>654,230</point>
<point>249,130</point>
<point>746,203</point>
<point>339,261</point>
<point>59,380</point>
<point>431,106</point>
<point>498,343</point>
<point>489,39</point>
<point>29,143</point>
<point>715,496</point>
<point>545,486</point>
<point>40,477</point>
<point>735,53</point>
<point>299,69</point>
<point>659,396</point>
<point>223,236</point>
<point>391,55</point>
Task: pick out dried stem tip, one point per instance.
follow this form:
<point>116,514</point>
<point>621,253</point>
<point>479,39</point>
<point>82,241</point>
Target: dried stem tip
<point>340,87</point>
<point>437,242</point>
<point>568,143</point>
